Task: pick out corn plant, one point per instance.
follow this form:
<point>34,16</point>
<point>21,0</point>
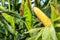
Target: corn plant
<point>21,21</point>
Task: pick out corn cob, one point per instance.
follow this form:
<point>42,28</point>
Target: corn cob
<point>42,17</point>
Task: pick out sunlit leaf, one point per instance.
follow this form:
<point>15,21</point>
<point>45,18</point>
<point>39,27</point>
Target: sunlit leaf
<point>9,18</point>
<point>49,33</point>
<point>28,17</point>
<point>34,30</point>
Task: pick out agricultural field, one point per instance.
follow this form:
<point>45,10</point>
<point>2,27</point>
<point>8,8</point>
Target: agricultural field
<point>29,19</point>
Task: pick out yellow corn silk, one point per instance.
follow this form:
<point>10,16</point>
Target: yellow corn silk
<point>44,19</point>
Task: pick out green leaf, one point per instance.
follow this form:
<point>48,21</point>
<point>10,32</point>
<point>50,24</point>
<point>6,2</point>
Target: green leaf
<point>53,14</point>
<point>3,29</point>
<point>10,29</point>
<point>28,17</point>
<point>34,30</point>
<point>49,33</point>
<point>36,37</point>
<point>58,35</point>
<point>57,19</point>
<point>9,18</point>
<point>31,38</point>
<point>39,35</point>
<point>46,34</point>
<point>53,33</point>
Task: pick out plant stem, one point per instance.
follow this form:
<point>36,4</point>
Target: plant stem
<point>3,2</point>
<point>9,5</point>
